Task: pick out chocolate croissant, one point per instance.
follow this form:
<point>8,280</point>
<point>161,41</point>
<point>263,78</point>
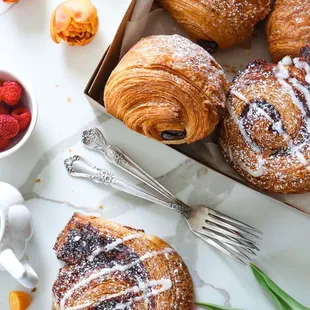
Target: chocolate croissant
<point>169,89</point>
<point>265,136</point>
<point>110,266</point>
<point>288,28</point>
<point>218,22</point>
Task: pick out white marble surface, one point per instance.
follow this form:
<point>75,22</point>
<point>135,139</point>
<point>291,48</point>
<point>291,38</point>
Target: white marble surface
<point>59,72</point>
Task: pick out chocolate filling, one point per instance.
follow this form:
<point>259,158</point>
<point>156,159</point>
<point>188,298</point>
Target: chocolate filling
<point>173,135</point>
<point>265,106</point>
<point>248,118</point>
<point>80,244</point>
<point>305,52</point>
<point>209,46</point>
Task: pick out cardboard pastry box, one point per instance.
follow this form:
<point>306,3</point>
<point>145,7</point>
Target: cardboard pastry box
<point>95,87</point>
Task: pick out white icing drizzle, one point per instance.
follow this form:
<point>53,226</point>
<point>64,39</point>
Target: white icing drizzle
<point>261,162</point>
<point>303,160</point>
<point>110,270</point>
<point>165,284</point>
<point>306,94</point>
<point>277,126</point>
<point>286,61</point>
<point>240,126</point>
<point>282,74</point>
<point>239,95</point>
<point>303,65</point>
<point>230,153</point>
<point>288,88</point>
<point>259,171</point>
<point>112,246</point>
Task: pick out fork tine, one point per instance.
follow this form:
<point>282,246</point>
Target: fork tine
<point>222,223</point>
<point>219,246</point>
<point>230,219</point>
<point>224,239</point>
<point>247,234</point>
<point>249,250</point>
<point>236,250</point>
<point>226,232</point>
<point>254,247</point>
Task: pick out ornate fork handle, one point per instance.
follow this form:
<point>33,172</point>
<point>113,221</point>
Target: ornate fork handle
<point>80,167</point>
<point>94,140</point>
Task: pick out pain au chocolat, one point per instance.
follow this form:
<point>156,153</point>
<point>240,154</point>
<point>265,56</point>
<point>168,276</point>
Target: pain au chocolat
<point>214,23</point>
<point>288,28</point>
<point>265,136</point>
<point>109,266</point>
<point>169,89</point>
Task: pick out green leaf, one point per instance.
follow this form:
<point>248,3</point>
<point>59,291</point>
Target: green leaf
<point>283,300</point>
<point>214,307</point>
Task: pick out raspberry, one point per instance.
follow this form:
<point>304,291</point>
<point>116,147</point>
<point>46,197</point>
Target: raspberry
<point>3,109</point>
<point>4,143</point>
<point>11,92</point>
<point>23,116</point>
<point>9,127</point>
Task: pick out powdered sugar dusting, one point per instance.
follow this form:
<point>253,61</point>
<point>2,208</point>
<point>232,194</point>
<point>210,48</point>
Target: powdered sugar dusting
<point>112,246</point>
<point>187,95</point>
<point>118,277</point>
<point>273,136</point>
<point>106,271</point>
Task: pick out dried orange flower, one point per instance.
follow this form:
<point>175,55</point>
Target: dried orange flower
<point>74,21</point>
<point>19,300</point>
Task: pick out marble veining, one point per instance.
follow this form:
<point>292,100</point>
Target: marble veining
<point>53,200</point>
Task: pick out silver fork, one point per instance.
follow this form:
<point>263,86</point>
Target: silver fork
<point>231,236</point>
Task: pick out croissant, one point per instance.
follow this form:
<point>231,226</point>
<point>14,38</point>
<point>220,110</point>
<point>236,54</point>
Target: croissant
<point>110,266</point>
<point>266,133</point>
<point>169,89</point>
<point>216,22</point>
<point>288,28</point>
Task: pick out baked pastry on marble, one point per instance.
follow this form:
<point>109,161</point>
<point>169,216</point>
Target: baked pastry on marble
<point>288,28</point>
<point>110,266</point>
<point>169,89</point>
<point>217,22</point>
<point>265,136</point>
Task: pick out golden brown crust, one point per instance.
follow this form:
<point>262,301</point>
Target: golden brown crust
<point>167,83</point>
<point>225,22</point>
<point>122,272</point>
<point>288,28</point>
<point>265,136</point>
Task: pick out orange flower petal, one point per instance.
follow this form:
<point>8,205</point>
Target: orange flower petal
<point>74,21</point>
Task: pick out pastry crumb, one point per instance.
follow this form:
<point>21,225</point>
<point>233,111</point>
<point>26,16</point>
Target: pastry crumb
<point>100,207</point>
<point>69,150</point>
<point>33,290</point>
<point>57,86</point>
<point>37,180</point>
<point>69,100</point>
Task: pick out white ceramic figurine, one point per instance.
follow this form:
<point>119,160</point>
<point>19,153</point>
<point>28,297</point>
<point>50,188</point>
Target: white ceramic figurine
<point>15,232</point>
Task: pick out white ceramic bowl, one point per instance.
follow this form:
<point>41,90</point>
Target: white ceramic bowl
<point>29,101</point>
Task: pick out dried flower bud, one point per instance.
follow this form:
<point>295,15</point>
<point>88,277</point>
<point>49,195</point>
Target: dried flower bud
<point>74,21</point>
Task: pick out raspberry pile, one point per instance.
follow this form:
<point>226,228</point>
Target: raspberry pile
<point>13,117</point>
